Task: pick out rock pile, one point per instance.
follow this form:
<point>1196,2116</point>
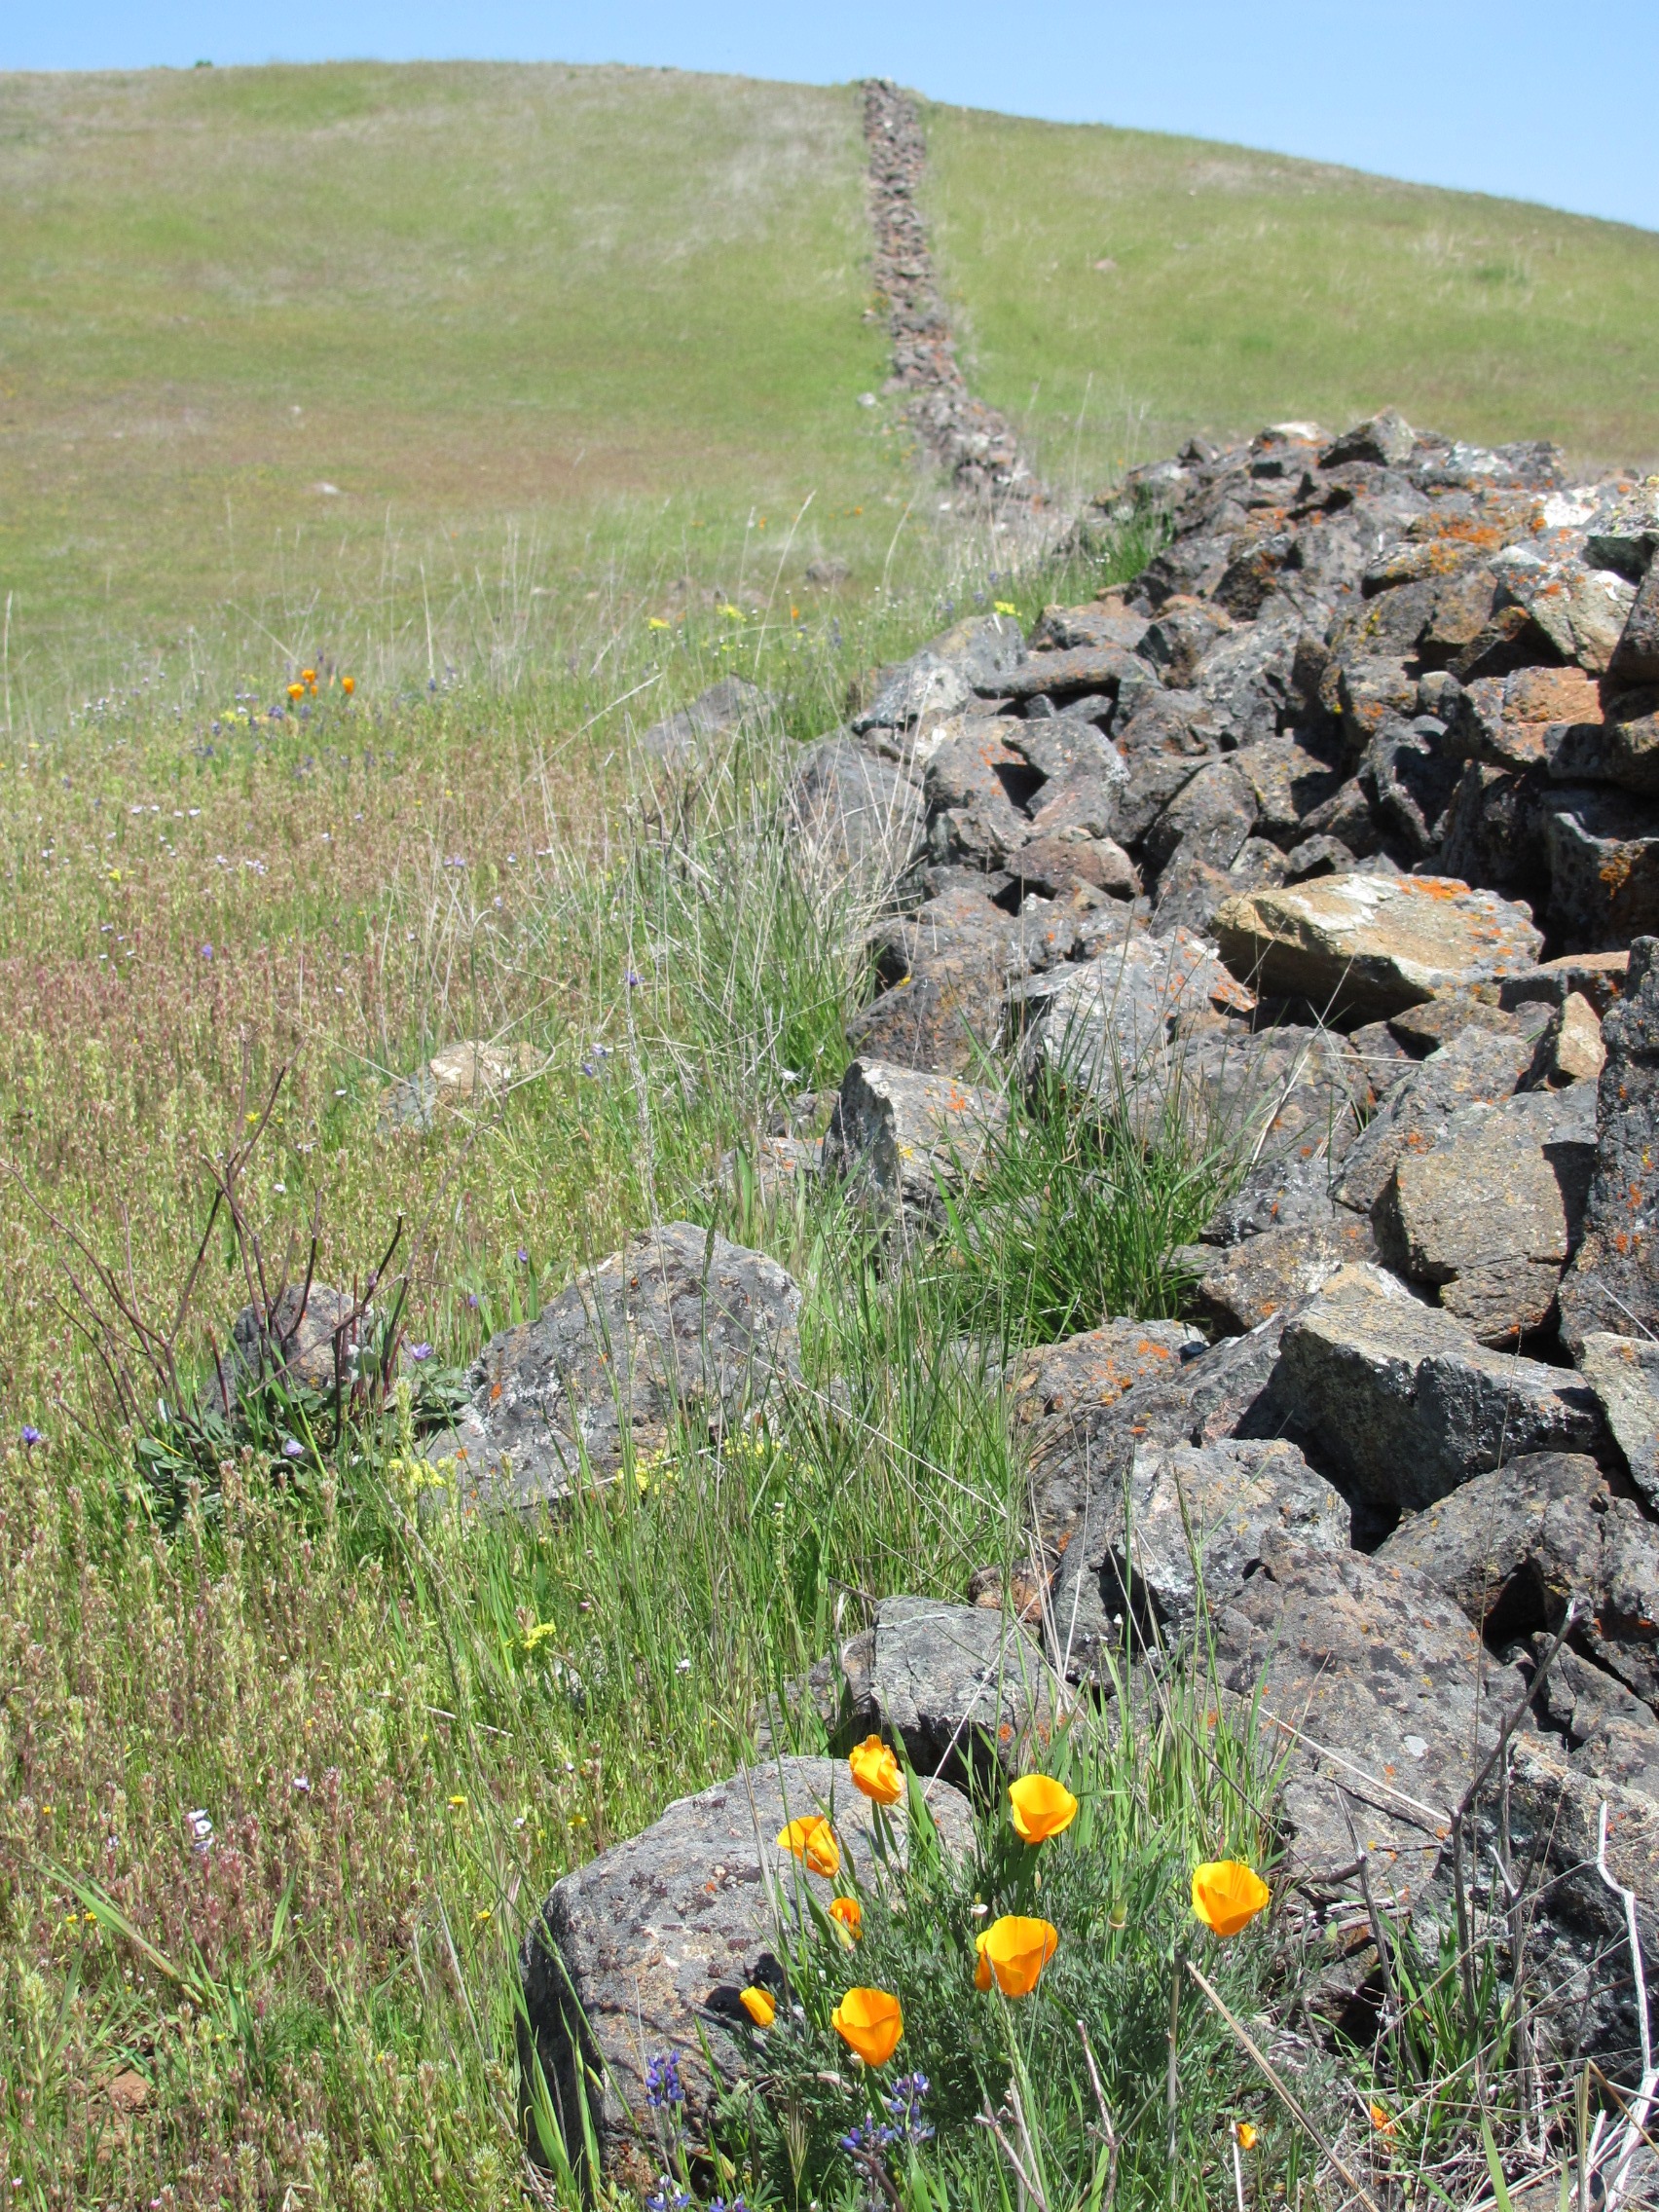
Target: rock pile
<point>1337,832</point>
<point>972,443</point>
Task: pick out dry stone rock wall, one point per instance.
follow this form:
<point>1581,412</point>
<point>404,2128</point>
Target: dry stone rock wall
<point>1336,831</point>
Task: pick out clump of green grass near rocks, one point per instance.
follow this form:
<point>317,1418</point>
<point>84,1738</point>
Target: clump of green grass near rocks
<point>292,1755</point>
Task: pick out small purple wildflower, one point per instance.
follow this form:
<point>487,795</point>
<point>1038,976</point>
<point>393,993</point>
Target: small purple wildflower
<point>523,1257</point>
<point>199,1826</point>
<point>662,2080</point>
<point>302,1782</point>
<point>725,2204</point>
<point>206,952</point>
<point>31,1436</point>
<point>631,979</point>
<point>420,1352</point>
<point>293,1449</point>
<point>667,2196</point>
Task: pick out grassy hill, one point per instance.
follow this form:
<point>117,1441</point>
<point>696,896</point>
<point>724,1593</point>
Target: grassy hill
<point>378,351</point>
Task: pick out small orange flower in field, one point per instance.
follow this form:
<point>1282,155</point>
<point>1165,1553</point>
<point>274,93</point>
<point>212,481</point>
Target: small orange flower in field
<point>981,1964</point>
<point>813,1842</point>
<point>1228,1894</point>
<point>1244,2135</point>
<point>1039,1807</point>
<point>1017,1949</point>
<point>876,1771</point>
<point>308,676</point>
<point>1381,2119</point>
<point>348,684</point>
<point>296,690</point>
<point>870,2022</point>
<point>760,2006</point>
<point>848,1915</point>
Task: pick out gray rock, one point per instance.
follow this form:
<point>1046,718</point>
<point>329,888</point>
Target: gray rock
<point>1479,1064</point>
<point>312,1340</point>
<point>1630,749</point>
<point>1491,1208</point>
<point>1165,742</point>
<point>678,1327</point>
<point>1410,779</point>
<point>1064,675</point>
<point>1514,1545</point>
<point>1235,1288</point>
<point>1383,440</point>
<point>1624,1374</point>
<point>1180,1537</point>
<point>966,1691</point>
<point>857,816</point>
<point>897,1135</point>
<point>1579,1950</point>
<point>975,654</point>
<point>1599,976</point>
<point>1098,623</point>
<point>1210,816</point>
<point>1602,847</point>
<point>1287,779</point>
<point>977,787</point>
<point>1402,1403</point>
<point>1103,1024</point>
<point>728,707</point>
<point>1374,1687</point>
<point>1083,1454</point>
<point>1057,1390</point>
<point>1613,1282</point>
<point>1635,657</point>
<point>646,1950</point>
<point>947,968</point>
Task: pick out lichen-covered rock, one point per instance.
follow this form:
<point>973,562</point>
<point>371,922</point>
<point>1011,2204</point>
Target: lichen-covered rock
<point>1403,1404</point>
<point>313,1339</point>
<point>1491,1208</point>
<point>644,1952</point>
<point>1183,1530</point>
<point>1238,1286</point>
<point>965,1690</point>
<point>725,709</point>
<point>896,1137</point>
<point>1613,1282</point>
<point>1374,1686</point>
<point>1624,1374</point>
<point>1479,1065</point>
<point>1372,944</point>
<point>1515,1545</point>
<point>678,1327</point>
<point>857,816</point>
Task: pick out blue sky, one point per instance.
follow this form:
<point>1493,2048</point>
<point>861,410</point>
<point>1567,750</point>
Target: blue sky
<point>1525,97</point>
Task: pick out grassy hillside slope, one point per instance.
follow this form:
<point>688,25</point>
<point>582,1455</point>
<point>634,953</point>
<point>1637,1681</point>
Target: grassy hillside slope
<point>1118,287</point>
<point>497,308</point>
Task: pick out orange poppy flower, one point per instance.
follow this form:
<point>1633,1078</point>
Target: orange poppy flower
<point>309,676</point>
<point>1017,1949</point>
<point>981,1965</point>
<point>870,2022</point>
<point>876,1771</point>
<point>813,1842</point>
<point>1244,2135</point>
<point>1039,1807</point>
<point>848,1915</point>
<point>348,684</point>
<point>296,690</point>
<point>760,2006</point>
<point>1228,1894</point>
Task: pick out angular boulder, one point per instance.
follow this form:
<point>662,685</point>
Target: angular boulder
<point>725,709</point>
<point>1375,1688</point>
<point>1514,1546</point>
<point>1183,1532</point>
<point>680,1327</point>
<point>897,1135</point>
<point>1238,1286</point>
<point>965,1690</point>
<point>1369,945</point>
<point>1479,1065</point>
<point>1491,1209</point>
<point>1624,1374</point>
<point>644,1952</point>
<point>1401,1402</point>
<point>1613,1282</point>
<point>857,818</point>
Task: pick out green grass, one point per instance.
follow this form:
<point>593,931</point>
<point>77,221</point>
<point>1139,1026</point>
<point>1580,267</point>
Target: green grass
<point>530,320</point>
<point>1248,289</point>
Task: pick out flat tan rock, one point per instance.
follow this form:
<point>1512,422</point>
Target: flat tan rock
<point>1374,944</point>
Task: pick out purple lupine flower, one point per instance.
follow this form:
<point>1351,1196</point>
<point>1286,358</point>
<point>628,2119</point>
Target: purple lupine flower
<point>293,1449</point>
<point>31,1436</point>
<point>420,1352</point>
